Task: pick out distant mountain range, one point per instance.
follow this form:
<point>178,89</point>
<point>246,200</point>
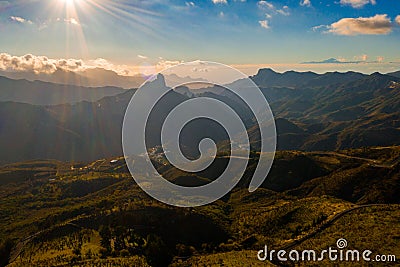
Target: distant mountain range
<point>45,93</point>
<point>293,79</point>
<point>313,112</point>
<point>96,77</point>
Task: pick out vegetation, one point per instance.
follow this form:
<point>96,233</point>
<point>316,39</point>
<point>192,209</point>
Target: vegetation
<point>56,213</point>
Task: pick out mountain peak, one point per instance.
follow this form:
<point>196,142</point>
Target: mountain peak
<point>156,81</point>
<point>266,71</point>
<point>377,74</point>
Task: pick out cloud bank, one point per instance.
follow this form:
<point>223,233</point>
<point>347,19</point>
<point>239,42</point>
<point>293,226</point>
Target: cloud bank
<point>38,64</point>
<point>359,59</point>
<point>45,65</point>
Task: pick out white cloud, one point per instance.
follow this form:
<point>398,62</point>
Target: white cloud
<point>165,64</point>
<point>397,19</point>
<point>20,20</point>
<point>45,65</point>
<point>271,11</point>
<point>357,3</point>
<point>142,57</point>
<point>220,1</point>
<point>72,21</point>
<point>265,4</point>
<point>44,24</point>
<point>283,11</point>
<point>37,64</point>
<point>378,24</point>
<point>264,24</point>
<point>319,27</point>
<point>190,4</point>
<point>305,3</point>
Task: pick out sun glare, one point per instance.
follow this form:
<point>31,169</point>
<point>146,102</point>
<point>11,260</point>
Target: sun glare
<point>70,2</point>
<point>76,13</point>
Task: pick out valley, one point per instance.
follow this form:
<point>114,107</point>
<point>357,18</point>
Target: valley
<point>93,213</point>
<point>67,198</point>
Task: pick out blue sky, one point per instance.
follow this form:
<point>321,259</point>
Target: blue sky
<point>232,32</point>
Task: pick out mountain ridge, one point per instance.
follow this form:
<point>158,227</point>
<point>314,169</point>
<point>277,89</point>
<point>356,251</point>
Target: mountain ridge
<point>47,93</point>
<point>351,114</point>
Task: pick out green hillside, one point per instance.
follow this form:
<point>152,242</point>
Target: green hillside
<point>57,213</point>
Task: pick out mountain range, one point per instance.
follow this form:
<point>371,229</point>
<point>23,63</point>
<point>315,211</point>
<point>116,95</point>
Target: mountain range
<point>78,204</point>
<point>328,111</point>
<point>45,93</point>
<point>96,77</point>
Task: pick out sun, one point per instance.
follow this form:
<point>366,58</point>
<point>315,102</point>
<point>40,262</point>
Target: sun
<point>69,2</point>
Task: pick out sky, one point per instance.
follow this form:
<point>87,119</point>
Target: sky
<point>131,36</point>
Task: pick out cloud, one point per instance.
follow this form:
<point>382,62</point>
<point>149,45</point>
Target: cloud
<point>305,3</point>
<point>44,23</point>
<point>28,62</point>
<point>165,64</point>
<point>20,20</point>
<point>45,65</point>
<point>220,2</point>
<point>284,11</point>
<point>190,4</point>
<point>265,4</point>
<point>357,3</point>
<point>319,27</point>
<point>264,24</point>
<point>397,19</point>
<point>141,57</point>
<point>363,57</point>
<point>72,21</point>
<point>378,24</point>
<point>333,61</point>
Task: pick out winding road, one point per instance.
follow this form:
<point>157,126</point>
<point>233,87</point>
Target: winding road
<point>322,227</point>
